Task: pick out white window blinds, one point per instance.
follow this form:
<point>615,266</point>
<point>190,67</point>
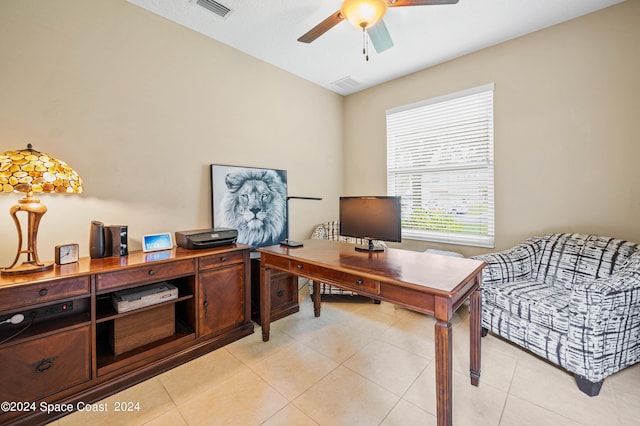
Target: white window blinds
<point>440,160</point>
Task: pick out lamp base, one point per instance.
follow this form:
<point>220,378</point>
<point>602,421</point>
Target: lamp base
<point>35,210</point>
<point>26,268</point>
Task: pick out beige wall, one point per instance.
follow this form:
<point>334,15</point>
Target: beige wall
<point>567,119</point>
<point>141,107</point>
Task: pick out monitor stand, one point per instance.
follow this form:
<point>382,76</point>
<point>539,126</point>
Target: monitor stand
<point>370,247</point>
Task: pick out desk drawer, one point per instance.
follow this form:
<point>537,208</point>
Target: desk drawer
<point>41,367</point>
<point>349,281</point>
<point>157,273</point>
<point>43,292</point>
<point>275,261</point>
<point>221,259</point>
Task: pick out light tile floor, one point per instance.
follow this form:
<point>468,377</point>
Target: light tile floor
<point>365,364</point>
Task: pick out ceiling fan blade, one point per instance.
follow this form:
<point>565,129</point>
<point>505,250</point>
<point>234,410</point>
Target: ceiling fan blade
<point>398,3</point>
<point>380,37</point>
<point>322,28</point>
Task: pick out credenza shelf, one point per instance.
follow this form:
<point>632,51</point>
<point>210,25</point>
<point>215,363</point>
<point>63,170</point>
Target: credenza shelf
<point>107,312</point>
<point>40,329</point>
<point>108,362</point>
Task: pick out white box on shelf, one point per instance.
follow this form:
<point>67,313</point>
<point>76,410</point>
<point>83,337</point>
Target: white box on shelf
<point>139,297</point>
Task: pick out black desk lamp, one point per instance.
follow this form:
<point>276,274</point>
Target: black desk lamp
<point>287,242</point>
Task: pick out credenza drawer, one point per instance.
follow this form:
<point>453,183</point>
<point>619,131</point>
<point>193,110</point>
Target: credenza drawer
<point>157,272</point>
<point>44,366</point>
<point>221,259</point>
<point>43,292</point>
<point>350,281</point>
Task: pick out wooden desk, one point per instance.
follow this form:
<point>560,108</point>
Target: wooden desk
<point>431,284</point>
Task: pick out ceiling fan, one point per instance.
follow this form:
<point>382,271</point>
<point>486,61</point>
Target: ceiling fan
<point>366,14</point>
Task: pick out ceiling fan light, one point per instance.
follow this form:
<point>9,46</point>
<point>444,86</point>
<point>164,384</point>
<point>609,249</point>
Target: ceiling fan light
<point>363,13</point>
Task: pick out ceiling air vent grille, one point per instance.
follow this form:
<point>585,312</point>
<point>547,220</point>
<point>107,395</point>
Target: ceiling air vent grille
<point>215,7</point>
<point>346,83</point>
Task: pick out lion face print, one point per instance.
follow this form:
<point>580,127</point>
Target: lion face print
<point>255,205</point>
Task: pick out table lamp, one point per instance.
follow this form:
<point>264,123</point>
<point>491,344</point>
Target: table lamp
<point>30,171</point>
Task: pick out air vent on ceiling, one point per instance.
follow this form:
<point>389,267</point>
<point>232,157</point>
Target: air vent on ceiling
<point>213,6</point>
<point>346,83</point>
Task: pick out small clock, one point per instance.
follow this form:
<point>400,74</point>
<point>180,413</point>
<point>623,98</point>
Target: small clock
<point>66,253</point>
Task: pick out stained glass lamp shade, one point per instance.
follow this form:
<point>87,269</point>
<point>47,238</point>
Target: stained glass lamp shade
<point>33,172</point>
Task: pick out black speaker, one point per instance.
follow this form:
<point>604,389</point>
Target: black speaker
<point>119,240</point>
<point>97,244</point>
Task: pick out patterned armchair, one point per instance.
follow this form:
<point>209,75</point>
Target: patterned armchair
<point>573,299</point>
<point>331,231</point>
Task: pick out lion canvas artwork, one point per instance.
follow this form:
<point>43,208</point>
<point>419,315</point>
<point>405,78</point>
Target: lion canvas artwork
<point>251,200</point>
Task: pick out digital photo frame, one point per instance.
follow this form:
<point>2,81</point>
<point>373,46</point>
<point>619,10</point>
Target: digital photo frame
<point>157,242</point>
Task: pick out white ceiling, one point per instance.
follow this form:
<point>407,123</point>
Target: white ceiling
<point>423,36</point>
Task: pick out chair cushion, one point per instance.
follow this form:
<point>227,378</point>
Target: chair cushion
<point>540,340</point>
<point>534,301</point>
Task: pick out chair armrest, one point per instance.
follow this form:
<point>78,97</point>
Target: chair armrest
<point>510,265</point>
<point>604,323</point>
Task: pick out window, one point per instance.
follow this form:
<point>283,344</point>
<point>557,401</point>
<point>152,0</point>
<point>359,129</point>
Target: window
<point>440,161</point>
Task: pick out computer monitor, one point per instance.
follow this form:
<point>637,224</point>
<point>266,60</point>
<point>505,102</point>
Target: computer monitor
<point>371,218</point>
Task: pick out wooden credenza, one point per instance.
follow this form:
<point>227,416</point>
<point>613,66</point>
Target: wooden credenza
<point>63,351</point>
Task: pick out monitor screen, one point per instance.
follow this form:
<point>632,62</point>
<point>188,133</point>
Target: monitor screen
<point>374,218</point>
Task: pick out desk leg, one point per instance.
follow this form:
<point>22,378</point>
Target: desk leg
<point>474,324</point>
<point>443,372</point>
<point>316,298</point>
<point>265,302</point>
